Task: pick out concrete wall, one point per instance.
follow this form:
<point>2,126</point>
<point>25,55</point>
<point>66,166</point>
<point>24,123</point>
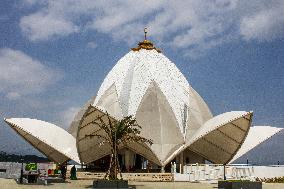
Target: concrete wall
<point>10,170</point>
<point>268,171</point>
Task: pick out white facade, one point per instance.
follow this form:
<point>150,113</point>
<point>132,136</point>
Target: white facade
<point>146,84</point>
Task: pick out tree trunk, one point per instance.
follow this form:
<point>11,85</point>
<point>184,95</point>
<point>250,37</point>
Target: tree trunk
<point>114,166</point>
<point>113,172</point>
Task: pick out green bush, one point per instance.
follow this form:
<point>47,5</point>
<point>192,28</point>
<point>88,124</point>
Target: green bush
<point>271,180</point>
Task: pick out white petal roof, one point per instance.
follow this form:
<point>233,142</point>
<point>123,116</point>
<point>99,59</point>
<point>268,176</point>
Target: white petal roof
<point>218,121</point>
<point>93,148</point>
<point>256,136</point>
<point>53,141</point>
<point>133,74</point>
<point>76,121</point>
<point>148,85</point>
<point>219,138</point>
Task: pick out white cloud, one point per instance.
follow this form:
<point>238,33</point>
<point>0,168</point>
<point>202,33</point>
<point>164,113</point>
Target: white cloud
<point>22,75</point>
<point>42,26</point>
<point>193,26</point>
<point>264,25</point>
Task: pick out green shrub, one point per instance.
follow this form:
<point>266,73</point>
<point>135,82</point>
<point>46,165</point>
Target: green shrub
<point>271,180</point>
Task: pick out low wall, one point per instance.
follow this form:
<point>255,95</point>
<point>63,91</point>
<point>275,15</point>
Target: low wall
<point>87,175</point>
<point>268,171</point>
<point>153,177</point>
<point>200,173</point>
<point>10,170</point>
<point>211,172</point>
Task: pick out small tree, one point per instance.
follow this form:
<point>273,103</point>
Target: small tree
<point>117,133</point>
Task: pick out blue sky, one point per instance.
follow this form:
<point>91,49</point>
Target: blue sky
<point>55,54</point>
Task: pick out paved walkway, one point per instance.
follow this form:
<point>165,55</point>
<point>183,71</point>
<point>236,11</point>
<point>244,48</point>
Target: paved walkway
<point>11,184</point>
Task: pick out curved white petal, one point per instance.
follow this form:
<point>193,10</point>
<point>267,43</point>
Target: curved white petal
<point>76,121</point>
<point>137,70</point>
<point>256,136</point>
<point>158,123</point>
<point>220,137</point>
<point>198,114</point>
<point>94,148</point>
<point>53,141</point>
<point>109,102</point>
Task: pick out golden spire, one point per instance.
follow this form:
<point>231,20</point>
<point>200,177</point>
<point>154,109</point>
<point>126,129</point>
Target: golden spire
<point>146,44</point>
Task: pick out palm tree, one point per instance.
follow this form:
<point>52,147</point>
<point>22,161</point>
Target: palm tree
<point>118,133</point>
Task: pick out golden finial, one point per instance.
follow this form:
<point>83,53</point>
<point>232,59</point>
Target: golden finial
<point>146,44</point>
<point>145,32</point>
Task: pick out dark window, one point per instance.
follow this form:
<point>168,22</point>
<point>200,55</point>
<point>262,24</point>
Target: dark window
<point>187,160</point>
<point>2,170</point>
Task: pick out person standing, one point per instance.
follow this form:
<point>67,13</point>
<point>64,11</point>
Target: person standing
<point>63,171</point>
<point>73,173</point>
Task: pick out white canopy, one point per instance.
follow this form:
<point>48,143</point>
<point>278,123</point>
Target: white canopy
<point>256,136</point>
<point>219,138</point>
<point>53,141</point>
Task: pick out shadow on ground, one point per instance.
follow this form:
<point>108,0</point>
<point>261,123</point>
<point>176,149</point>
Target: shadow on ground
<point>130,186</point>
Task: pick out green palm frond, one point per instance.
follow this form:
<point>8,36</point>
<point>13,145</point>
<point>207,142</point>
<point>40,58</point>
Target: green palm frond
<point>116,133</point>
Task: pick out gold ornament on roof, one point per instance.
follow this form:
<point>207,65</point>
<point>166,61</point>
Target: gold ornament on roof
<point>146,44</point>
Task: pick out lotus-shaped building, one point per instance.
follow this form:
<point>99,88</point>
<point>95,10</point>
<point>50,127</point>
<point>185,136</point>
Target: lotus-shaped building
<point>147,85</point>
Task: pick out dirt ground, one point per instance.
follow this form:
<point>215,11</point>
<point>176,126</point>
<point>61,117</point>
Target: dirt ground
<point>11,184</point>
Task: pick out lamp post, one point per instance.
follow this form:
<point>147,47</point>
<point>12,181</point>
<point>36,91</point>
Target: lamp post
<point>224,171</point>
<point>22,170</point>
<point>115,153</point>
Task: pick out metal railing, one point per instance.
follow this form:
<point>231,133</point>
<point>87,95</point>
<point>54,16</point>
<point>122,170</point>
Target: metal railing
<point>207,172</point>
